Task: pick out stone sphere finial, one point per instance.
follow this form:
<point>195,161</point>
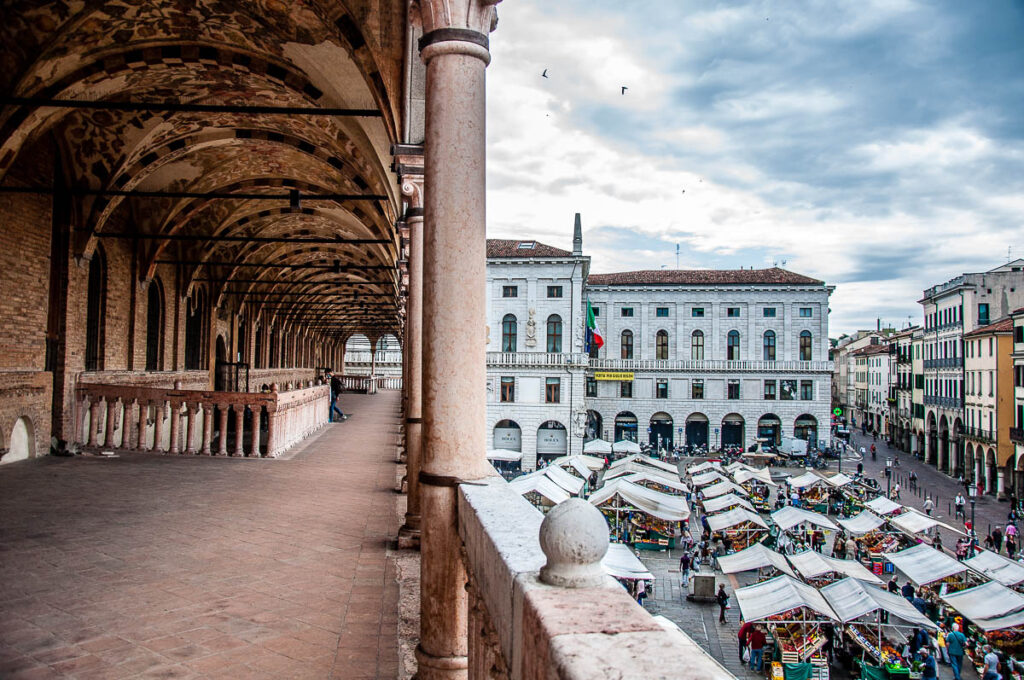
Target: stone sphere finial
<point>574,538</point>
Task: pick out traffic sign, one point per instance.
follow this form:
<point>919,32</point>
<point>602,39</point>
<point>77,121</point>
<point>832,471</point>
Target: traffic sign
<point>837,411</point>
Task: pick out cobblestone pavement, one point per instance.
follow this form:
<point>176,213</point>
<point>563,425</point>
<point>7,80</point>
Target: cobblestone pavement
<point>153,566</point>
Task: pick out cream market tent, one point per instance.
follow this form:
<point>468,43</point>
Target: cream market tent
<point>812,564</point>
<point>573,464</point>
<point>734,517</point>
<point>642,459</point>
<point>504,454</point>
<point>923,564</point>
<point>707,478</point>
<point>732,468</point>
<point>541,485</point>
<point>863,523</point>
<point>626,446</point>
<point>1014,620</point>
<point>778,595</point>
<point>806,480</point>
<point>788,517</point>
<point>654,503</point>
<point>638,469</point>
<point>755,557</point>
<point>620,562</point>
<point>913,522</point>
<point>883,506</point>
<point>725,502</point>
<point>722,488</point>
<point>987,601</point>
<point>838,480</point>
<point>571,483</point>
<point>593,463</point>
<point>851,599</point>
<point>649,477</point>
<point>747,475</point>
<point>703,467</point>
<point>597,446</point>
<point>997,567</point>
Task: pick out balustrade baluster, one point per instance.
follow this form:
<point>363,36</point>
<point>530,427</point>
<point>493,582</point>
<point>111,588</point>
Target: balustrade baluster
<point>254,447</point>
<point>94,421</point>
<point>207,428</point>
<point>175,427</point>
<point>239,429</point>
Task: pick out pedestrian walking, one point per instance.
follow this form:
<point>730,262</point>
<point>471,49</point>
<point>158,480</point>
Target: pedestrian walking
<point>928,505</point>
<point>929,669</point>
<point>896,491</point>
<point>744,635</point>
<point>956,642</point>
<point>684,569</point>
<point>1011,547</point>
<point>756,643</point>
<point>997,538</point>
<point>723,602</point>
<point>991,671</point>
<point>958,505</point>
<point>336,388</point>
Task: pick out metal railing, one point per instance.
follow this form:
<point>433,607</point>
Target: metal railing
<point>943,402</point>
<point>1017,435</point>
<point>664,365</point>
<point>980,434</point>
<point>945,362</point>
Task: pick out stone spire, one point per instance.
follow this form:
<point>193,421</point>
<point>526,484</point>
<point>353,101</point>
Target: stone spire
<point>577,236</point>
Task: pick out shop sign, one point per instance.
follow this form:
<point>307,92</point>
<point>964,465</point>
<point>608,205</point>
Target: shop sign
<point>551,441</point>
<point>620,376</point>
<point>508,438</point>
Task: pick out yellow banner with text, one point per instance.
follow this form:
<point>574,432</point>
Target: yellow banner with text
<point>620,376</point>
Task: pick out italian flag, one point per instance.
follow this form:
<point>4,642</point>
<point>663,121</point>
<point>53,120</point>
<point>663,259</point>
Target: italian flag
<point>593,332</point>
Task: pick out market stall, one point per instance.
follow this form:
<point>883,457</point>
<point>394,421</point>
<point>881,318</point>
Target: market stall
<point>625,447</point>
<point>819,570</point>
<point>634,468</point>
<point>721,488</point>
<point>864,523</point>
<point>1005,633</point>
<point>757,483</point>
<point>873,539</point>
<point>572,484</point>
<point>729,500</point>
<point>883,506</point>
<point>648,461</point>
<point>576,466</point>
<point>506,461</point>
<point>707,478</point>
<point>794,613</point>
<point>597,447</point>
<point>788,517</point>
<point>877,621</point>
<point>621,563</point>
<point>642,517</point>
<point>542,493</point>
<point>654,480</point>
<point>813,490</point>
<point>739,526</point>
<point>997,568</point>
<point>698,468</point>
<point>732,468</point>
<point>926,566</point>
<point>755,558</point>
<point>915,524</point>
<point>838,480</point>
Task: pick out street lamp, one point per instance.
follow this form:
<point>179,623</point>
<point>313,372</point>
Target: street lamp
<point>972,491</point>
<point>888,477</point>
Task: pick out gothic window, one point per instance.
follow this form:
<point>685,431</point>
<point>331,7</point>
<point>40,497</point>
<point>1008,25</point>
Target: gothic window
<point>154,325</point>
<point>697,346</point>
<point>95,311</point>
<point>661,345</point>
<point>805,346</point>
<point>508,333</point>
<point>554,333</point>
<point>733,346</point>
<point>769,345</point>
<point>627,344</point>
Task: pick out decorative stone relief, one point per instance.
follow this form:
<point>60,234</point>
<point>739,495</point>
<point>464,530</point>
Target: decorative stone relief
<point>488,339</point>
<point>531,329</point>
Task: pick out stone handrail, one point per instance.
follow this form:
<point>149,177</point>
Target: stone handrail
<point>370,384</point>
<point>578,359</point>
<point>196,422</point>
<point>522,627</point>
<point>368,357</point>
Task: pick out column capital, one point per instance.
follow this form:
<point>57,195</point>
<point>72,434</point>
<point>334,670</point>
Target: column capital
<point>455,26</point>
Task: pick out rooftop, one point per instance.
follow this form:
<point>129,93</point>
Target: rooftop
<point>771,276</point>
<point>499,247</point>
<point>1001,326</point>
<point>871,350</point>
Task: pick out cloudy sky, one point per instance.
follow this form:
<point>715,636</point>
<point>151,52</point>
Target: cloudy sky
<point>875,144</point>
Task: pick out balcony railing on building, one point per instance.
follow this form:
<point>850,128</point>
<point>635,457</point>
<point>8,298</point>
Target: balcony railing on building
<point>945,362</point>
<point>381,358</point>
<point>1017,435</point>
<point>527,359</point>
<point>943,402</point>
<point>197,422</point>
<point>980,434</point>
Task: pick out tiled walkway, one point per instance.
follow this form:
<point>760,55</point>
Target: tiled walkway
<point>150,566</point>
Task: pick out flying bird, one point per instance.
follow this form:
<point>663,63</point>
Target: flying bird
<point>545,74</point>
<point>624,88</point>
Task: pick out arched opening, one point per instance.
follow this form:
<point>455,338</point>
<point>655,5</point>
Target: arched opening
<point>627,344</point>
<point>992,479</point>
<point>154,326</point>
<point>552,440</point>
<point>958,448</point>
<point>595,426</point>
<point>257,341</point>
<point>697,430</point>
<point>732,346</point>
<point>661,432</point>
<point>96,311</point>
<point>625,427</point>
<point>806,346</point>
<point>1018,475</point>
<point>932,452</point>
<point>943,462</point>
<point>273,356</point>
<point>733,430</point>
<point>769,346</point>
<point>509,331</point>
<point>697,346</point>
<point>661,345</point>
<point>806,427</point>
<point>220,378</point>
<point>554,334</point>
<point>508,435</point>
<point>196,330</point>
<point>769,429</point>
<point>22,442</point>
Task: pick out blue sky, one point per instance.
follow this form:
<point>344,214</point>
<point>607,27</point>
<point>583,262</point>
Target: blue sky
<point>878,145</point>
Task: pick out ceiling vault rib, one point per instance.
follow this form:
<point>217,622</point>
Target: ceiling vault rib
<point>244,239</point>
<point>178,107</point>
<point>290,197</point>
<point>272,265</point>
<point>270,282</point>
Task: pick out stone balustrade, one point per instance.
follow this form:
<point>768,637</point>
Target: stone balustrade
<point>119,417</point>
<point>541,608</point>
<point>366,384</point>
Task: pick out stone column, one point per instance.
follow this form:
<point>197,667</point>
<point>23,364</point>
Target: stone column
<point>412,363</point>
<point>111,424</point>
<point>158,426</point>
<point>455,49</point>
<point>207,428</point>
<point>143,407</point>
<point>254,445</point>
<point>94,420</point>
<point>192,414</point>
<point>175,427</point>
<point>239,430</point>
<point>222,428</point>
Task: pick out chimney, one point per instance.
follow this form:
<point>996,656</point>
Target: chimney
<point>577,236</point>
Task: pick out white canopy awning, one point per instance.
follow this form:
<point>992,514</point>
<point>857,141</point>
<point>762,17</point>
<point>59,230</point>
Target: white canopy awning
<point>738,465</point>
<point>923,564</point>
<point>734,517</point>
<point>563,478</point>
<point>755,557</point>
<point>852,599</point>
<point>806,480</point>
<point>707,478</point>
<point>626,446</point>
<point>987,601</point>
<point>504,454</point>
<point>620,562</point>
<point>1014,620</point>
<point>654,503</point>
<point>729,500</point>
<point>762,475</point>
<point>997,567</point>
<point>539,484</point>
<point>573,464</point>
<point>883,506</point>
<point>779,595</point>
<point>862,523</point>
<point>652,476</point>
<point>722,488</point>
<point>812,564</point>
<point>839,480</point>
<point>914,522</point>
<point>643,459</point>
<point>633,468</point>
<point>698,468</point>
<point>598,446</point>
<point>788,517</point>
